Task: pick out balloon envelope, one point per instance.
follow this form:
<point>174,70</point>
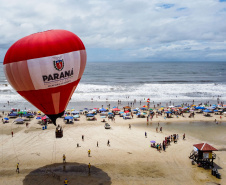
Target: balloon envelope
<point>45,68</point>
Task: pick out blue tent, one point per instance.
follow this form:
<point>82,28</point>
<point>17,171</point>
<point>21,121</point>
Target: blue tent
<point>207,110</point>
<point>89,115</point>
<point>13,114</point>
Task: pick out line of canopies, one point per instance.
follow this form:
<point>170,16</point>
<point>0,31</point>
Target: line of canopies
<point>201,109</point>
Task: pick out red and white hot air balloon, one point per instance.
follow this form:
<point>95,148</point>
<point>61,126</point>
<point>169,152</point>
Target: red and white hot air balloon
<point>45,68</point>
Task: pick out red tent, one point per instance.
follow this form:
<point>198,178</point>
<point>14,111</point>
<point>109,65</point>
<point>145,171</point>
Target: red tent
<point>205,147</point>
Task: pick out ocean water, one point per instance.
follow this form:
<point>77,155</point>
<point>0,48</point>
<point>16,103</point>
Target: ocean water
<point>165,82</point>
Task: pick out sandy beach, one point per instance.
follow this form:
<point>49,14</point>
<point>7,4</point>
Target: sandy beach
<point>128,160</point>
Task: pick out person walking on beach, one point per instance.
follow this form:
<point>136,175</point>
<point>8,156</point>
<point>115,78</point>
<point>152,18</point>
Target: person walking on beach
<point>17,168</point>
<point>145,134</point>
<point>129,126</point>
<point>12,133</point>
<point>64,158</point>
<point>156,129</point>
<point>97,144</point>
<point>160,129</point>
<point>108,143</point>
<point>184,136</point>
<point>89,151</point>
<point>82,137</point>
<point>65,182</point>
<point>89,166</point>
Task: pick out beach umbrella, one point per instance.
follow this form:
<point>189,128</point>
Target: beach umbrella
<point>38,118</point>
<point>19,120</point>
<point>126,111</point>
<point>102,109</point>
<point>44,117</point>
<point>153,141</point>
<point>110,113</point>
<point>6,118</point>
<point>75,112</point>
<point>103,117</point>
<point>200,108</point>
<point>27,115</point>
<point>168,112</point>
<point>116,109</point>
<point>76,116</point>
<point>143,108</point>
<point>150,109</point>
<point>216,110</point>
<point>68,117</point>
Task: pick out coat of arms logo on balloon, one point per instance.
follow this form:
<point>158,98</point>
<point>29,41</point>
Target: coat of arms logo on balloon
<point>58,63</point>
<point>45,68</point>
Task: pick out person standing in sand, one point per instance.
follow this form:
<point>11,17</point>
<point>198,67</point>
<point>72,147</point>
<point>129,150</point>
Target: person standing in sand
<point>89,151</point>
<point>145,134</point>
<point>65,182</point>
<point>89,166</point>
<point>108,143</point>
<point>12,133</point>
<point>64,158</point>
<point>17,168</point>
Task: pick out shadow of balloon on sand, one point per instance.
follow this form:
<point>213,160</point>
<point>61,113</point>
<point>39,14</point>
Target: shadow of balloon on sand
<point>75,173</point>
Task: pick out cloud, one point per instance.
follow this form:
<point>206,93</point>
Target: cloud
<point>124,30</point>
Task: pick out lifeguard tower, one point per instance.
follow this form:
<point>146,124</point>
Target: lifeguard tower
<point>203,155</point>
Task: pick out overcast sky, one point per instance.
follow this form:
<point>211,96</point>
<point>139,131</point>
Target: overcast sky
<point>124,30</point>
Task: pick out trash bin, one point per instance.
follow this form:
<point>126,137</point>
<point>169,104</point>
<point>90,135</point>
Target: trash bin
<point>45,126</point>
<point>219,176</point>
